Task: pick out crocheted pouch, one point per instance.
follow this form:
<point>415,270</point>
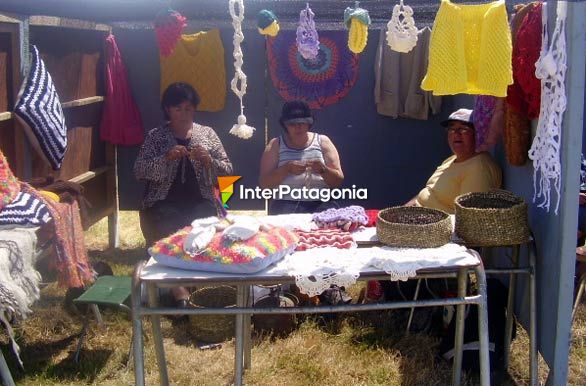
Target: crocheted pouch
<point>225,256</point>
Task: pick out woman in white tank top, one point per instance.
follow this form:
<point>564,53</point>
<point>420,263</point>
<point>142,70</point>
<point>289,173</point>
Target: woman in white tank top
<point>299,158</point>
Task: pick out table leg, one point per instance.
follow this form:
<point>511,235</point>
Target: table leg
<point>239,349</point>
<point>511,308</point>
<point>459,338</point>
<point>483,327</point>
<point>412,310</point>
<point>246,329</point>
<point>158,336</point>
<point>137,328</point>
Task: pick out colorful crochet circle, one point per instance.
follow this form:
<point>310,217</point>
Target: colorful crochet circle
<point>321,81</point>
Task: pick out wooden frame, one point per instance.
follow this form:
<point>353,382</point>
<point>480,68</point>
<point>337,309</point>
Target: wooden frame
<point>88,161</point>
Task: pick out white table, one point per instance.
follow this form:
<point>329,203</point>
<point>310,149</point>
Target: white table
<point>148,276</point>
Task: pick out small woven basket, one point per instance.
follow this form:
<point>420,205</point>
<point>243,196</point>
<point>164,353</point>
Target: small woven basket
<point>213,328</point>
<point>411,226</point>
<point>490,219</point>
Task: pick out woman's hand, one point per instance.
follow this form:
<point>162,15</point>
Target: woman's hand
<point>295,167</point>
<point>317,167</point>
<point>582,199</point>
<point>176,152</point>
<point>200,154</point>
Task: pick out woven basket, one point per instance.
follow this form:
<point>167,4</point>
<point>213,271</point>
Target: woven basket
<point>490,219</point>
<point>213,328</point>
<point>411,226</point>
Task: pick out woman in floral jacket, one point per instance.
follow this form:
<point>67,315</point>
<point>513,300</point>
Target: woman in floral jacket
<point>180,162</point>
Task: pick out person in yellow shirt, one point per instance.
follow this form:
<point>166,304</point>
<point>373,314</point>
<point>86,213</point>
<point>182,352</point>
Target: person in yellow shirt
<point>464,172</point>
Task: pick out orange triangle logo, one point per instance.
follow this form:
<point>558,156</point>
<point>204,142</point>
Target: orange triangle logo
<point>226,182</point>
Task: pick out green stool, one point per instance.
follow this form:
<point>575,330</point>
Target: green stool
<point>113,291</point>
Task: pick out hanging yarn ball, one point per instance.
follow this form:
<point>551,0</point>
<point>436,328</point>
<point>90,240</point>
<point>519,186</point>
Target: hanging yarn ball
<point>307,38</point>
<point>168,27</point>
<point>357,21</point>
<point>267,23</point>
<point>401,29</point>
<point>241,129</point>
<point>238,83</point>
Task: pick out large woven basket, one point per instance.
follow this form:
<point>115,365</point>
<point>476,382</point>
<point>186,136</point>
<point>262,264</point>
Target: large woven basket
<point>411,226</point>
<point>488,219</point>
<point>213,328</point>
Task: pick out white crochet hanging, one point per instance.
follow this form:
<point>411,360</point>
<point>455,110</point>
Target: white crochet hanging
<point>238,83</point>
<point>545,150</point>
<point>401,30</point>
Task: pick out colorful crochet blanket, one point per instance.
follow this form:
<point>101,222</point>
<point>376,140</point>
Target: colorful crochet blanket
<point>226,256</point>
<point>321,81</point>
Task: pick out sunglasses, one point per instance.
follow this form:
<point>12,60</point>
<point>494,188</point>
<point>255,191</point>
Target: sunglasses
<point>459,130</point>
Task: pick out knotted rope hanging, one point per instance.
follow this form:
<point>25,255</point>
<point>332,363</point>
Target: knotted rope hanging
<point>401,30</point>
<point>307,38</point>
<point>545,150</point>
<point>238,83</point>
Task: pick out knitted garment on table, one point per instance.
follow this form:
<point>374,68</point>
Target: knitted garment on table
<point>121,123</point>
<point>221,251</point>
<point>70,257</point>
<point>39,109</point>
<point>347,219</point>
<point>524,95</point>
<point>198,59</point>
<point>9,186</point>
<point>25,210</point>
<point>372,215</point>
<point>470,50</point>
<point>489,119</point>
<point>321,238</point>
<point>319,82</point>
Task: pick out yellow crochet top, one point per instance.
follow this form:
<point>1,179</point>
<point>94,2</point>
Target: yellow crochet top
<point>198,59</point>
<point>470,50</point>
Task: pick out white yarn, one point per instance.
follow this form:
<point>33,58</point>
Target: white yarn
<point>401,29</point>
<point>238,83</point>
<point>545,150</point>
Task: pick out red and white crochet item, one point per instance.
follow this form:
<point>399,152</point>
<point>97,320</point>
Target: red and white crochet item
<point>321,238</point>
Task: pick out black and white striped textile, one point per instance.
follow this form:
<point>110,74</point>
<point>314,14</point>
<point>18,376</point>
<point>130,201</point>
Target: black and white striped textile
<point>25,210</point>
<point>38,107</point>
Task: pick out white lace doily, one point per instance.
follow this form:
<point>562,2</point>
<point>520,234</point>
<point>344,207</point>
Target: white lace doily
<point>315,270</point>
<point>545,149</point>
<point>403,263</point>
<point>401,29</point>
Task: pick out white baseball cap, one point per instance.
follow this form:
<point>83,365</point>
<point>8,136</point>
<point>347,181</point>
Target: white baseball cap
<point>462,115</point>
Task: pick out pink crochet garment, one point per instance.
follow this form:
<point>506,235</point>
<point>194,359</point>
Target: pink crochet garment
<point>488,118</point>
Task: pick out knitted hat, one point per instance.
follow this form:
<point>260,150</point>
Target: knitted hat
<point>267,23</point>
<point>296,111</point>
<point>461,115</point>
<point>265,18</point>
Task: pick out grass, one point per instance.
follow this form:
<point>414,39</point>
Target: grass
<point>361,349</point>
